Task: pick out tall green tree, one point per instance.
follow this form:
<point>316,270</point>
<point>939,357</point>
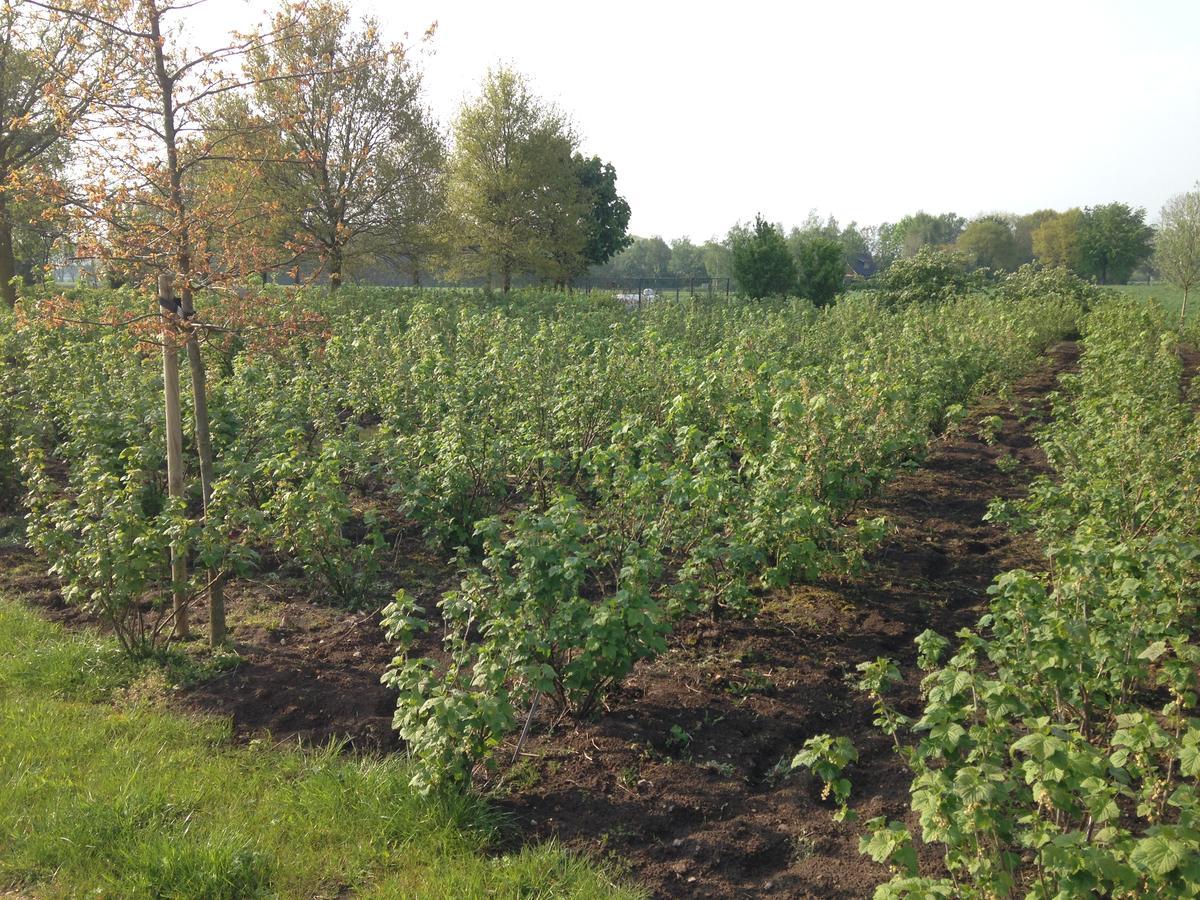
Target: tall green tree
<point>687,260</point>
<point>923,229</point>
<point>607,227</point>
<point>856,254</point>
<point>820,267</point>
<point>718,259</point>
<point>1177,244</point>
<point>357,160</point>
<point>1056,240</point>
<point>1023,229</point>
<point>762,263</point>
<point>513,184</point>
<point>645,257</point>
<point>1113,240</point>
<point>990,243</point>
<point>883,243</point>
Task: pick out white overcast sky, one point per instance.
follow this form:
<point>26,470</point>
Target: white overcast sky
<point>868,110</point>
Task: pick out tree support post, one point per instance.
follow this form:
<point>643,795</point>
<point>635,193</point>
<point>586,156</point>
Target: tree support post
<point>204,451</point>
<point>174,423</point>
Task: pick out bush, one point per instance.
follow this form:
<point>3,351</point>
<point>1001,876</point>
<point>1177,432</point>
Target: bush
<point>931,276</point>
<point>556,611</point>
<point>1035,280</point>
<point>309,517</point>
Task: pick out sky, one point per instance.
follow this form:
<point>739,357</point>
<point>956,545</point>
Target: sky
<point>867,111</point>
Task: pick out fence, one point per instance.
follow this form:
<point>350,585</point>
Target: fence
<point>642,290</point>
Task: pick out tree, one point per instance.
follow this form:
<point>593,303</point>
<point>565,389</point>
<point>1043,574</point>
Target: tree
<point>883,245</point>
<point>1023,229</point>
<point>1177,245</point>
<point>149,206</point>
<point>606,232</point>
<point>645,257</point>
<point>718,259</point>
<point>355,157</point>
<point>762,263</point>
<point>989,241</point>
<point>687,260</point>
<point>856,253</point>
<point>49,77</point>
<point>513,185</point>
<point>1056,241</point>
<point>1113,239</point>
<point>820,267</point>
<point>925,230</point>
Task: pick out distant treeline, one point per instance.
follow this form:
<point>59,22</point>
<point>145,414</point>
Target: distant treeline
<point>1106,243</point>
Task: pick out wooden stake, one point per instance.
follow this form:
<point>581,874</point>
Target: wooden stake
<point>166,309</point>
<point>204,451</point>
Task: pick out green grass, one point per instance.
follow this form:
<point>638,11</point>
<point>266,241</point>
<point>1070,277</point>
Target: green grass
<point>107,794</point>
<point>1166,294</point>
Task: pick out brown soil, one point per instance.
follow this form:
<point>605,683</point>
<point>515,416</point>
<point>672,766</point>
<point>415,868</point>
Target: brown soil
<point>720,815</point>
<point>709,810</point>
<point>1190,357</point>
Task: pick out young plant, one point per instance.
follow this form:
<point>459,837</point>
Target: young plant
<point>557,611</point>
<point>827,757</point>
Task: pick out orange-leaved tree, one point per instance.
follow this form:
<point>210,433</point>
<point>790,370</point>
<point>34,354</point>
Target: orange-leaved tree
<point>51,72</point>
<point>149,204</point>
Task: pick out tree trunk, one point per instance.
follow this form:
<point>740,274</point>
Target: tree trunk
<point>1183,308</point>
<point>166,84</point>
<point>8,262</point>
<point>506,276</point>
<point>335,269</point>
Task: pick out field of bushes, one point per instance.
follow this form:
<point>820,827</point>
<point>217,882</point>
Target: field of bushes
<point>596,478</point>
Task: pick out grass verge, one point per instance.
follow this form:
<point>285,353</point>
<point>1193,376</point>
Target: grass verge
<point>1166,295</point>
<point>104,791</point>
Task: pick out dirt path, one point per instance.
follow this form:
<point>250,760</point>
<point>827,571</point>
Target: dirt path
<point>708,809</point>
<point>684,776</point>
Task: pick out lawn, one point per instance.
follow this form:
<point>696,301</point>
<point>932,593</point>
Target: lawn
<point>104,790</point>
<point>1168,295</point>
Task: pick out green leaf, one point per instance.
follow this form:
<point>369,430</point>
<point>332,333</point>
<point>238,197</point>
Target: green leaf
<point>1159,854</point>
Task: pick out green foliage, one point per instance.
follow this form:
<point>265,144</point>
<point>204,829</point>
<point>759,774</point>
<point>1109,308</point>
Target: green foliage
<point>1177,244</point>
<point>820,268</point>
<point>1036,280</point>
<point>561,611</point>
<point>309,513</point>
<point>1056,241</point>
<point>347,155</point>
<point>514,186</point>
<point>890,842</point>
<point>602,472</point>
<point>608,225</point>
<point>1113,240</point>
<point>687,260</point>
<point>762,264</point>
<point>924,230</point>
<point>827,757</point>
<point>990,243</point>
<point>929,276</point>
<point>1057,750</point>
<point>644,257</point>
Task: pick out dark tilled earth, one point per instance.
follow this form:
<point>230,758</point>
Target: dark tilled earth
<point>719,815</point>
<point>709,809</point>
